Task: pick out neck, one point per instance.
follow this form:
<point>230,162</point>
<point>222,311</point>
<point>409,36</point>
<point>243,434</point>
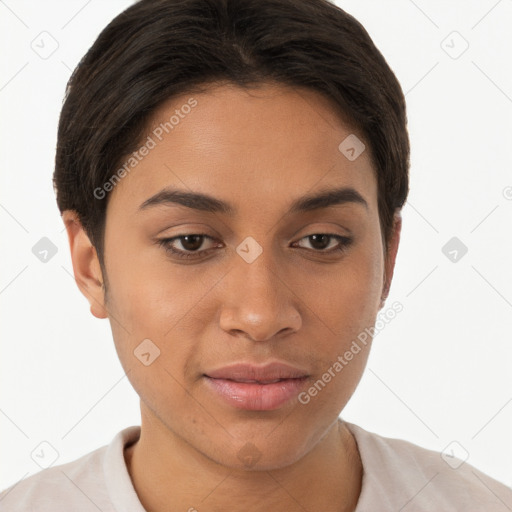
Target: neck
<point>169,474</point>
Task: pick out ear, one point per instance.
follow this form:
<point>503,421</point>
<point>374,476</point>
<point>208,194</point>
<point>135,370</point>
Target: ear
<point>389,264</point>
<point>86,265</point>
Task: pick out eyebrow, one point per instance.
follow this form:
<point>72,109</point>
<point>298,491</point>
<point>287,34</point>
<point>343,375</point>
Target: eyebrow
<point>198,201</point>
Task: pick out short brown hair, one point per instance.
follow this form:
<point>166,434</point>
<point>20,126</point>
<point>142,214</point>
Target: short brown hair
<point>158,49</point>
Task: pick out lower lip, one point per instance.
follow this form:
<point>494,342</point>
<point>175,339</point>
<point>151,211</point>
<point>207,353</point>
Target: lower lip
<point>256,397</point>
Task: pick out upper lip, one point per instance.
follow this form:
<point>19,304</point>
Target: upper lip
<point>246,372</point>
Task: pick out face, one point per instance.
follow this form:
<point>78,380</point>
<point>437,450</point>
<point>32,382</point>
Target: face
<point>282,291</point>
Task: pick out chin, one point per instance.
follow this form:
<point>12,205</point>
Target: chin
<point>261,451</point>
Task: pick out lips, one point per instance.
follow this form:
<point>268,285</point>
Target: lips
<point>257,381</point>
<point>252,387</point>
<point>269,373</point>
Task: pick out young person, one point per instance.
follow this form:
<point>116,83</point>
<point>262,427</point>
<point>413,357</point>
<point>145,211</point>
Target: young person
<point>231,175</point>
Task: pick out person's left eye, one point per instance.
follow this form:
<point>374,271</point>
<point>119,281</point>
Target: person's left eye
<point>320,238</point>
<point>191,243</point>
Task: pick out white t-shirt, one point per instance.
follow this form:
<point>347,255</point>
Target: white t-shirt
<point>397,476</point>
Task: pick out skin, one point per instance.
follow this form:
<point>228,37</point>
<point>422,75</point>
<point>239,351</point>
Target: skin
<point>258,149</point>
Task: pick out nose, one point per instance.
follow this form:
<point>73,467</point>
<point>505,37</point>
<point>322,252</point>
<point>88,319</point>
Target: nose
<point>257,301</point>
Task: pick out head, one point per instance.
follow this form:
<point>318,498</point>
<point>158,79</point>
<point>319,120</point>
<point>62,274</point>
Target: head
<point>262,106</point>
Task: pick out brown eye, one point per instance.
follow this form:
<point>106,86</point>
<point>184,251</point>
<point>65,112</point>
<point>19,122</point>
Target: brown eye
<point>319,242</point>
<point>190,243</point>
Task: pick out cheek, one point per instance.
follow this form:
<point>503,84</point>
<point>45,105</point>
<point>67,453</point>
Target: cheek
<point>157,301</point>
<point>345,313</point>
<point>147,295</point>
<point>346,299</point>
<point>366,278</point>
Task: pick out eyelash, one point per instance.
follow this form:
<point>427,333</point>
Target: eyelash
<point>345,242</point>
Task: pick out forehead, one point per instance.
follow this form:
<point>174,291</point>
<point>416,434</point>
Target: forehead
<point>256,148</point>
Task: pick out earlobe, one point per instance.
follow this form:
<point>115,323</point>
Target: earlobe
<point>86,267</point>
<point>389,264</point>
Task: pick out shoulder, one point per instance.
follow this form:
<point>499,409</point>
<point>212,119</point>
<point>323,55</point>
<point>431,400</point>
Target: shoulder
<point>82,484</point>
<point>67,484</point>
<point>401,475</point>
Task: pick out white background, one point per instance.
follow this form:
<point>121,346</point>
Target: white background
<point>439,372</point>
